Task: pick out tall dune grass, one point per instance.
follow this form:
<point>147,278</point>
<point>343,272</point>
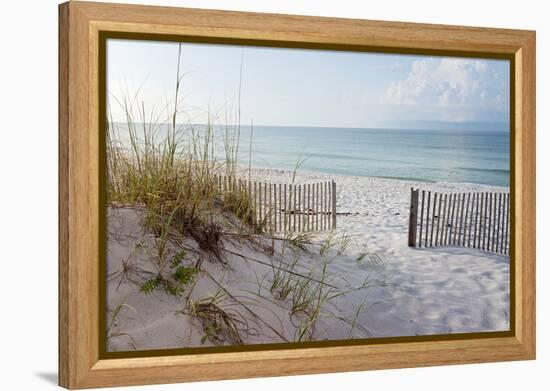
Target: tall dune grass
<point>171,171</point>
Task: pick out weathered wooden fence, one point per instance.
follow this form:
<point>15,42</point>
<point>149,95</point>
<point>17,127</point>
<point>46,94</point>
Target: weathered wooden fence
<point>287,207</point>
<point>476,220</point>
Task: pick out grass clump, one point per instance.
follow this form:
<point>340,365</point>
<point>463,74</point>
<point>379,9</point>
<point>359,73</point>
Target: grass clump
<point>219,325</point>
<point>299,239</point>
<point>282,281</point>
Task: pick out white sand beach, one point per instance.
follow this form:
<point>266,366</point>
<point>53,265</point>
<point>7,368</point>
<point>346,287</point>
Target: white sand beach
<point>415,291</point>
<point>379,286</point>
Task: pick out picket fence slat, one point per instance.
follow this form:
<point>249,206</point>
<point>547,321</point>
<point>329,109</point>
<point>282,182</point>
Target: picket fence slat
<point>465,221</point>
<point>443,221</point>
<point>421,219</point>
<point>438,218</point>
<point>461,217</point>
<point>433,220</point>
<point>427,219</point>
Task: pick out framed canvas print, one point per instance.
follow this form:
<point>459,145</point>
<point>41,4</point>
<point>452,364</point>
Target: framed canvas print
<point>251,194</point>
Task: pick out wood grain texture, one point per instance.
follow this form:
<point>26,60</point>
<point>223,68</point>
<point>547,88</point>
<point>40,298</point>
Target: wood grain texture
<point>63,200</point>
<point>79,249</point>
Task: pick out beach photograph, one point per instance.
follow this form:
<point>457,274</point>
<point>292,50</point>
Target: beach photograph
<point>261,195</point>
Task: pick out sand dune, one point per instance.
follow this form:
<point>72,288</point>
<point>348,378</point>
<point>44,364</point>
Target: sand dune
<point>408,291</point>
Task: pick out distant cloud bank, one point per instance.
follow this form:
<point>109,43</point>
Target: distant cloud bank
<point>468,90</point>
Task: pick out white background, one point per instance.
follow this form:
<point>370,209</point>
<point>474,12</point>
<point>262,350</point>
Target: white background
<point>28,193</point>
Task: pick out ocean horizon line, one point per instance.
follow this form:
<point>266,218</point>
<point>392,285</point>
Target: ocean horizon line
<point>456,127</point>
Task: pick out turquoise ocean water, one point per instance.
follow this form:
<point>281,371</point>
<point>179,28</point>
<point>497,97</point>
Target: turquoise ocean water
<point>425,155</point>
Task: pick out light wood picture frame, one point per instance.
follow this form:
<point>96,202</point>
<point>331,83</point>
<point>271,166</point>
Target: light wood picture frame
<point>82,29</point>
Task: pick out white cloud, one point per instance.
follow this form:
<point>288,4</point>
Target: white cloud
<point>453,90</point>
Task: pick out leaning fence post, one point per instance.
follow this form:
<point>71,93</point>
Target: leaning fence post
<point>413,217</point>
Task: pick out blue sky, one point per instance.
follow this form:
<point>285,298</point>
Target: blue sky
<point>309,87</point>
